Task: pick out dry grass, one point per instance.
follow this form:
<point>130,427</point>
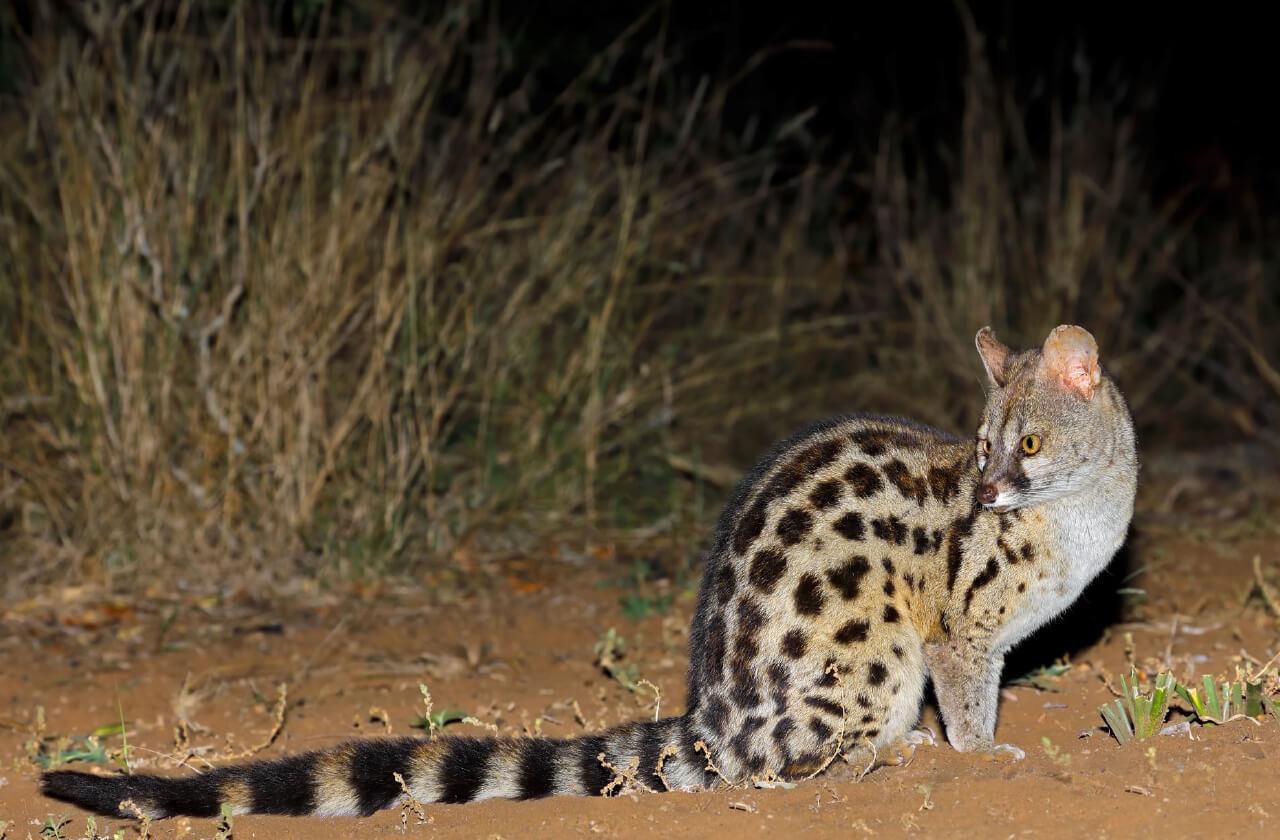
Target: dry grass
<point>346,302</point>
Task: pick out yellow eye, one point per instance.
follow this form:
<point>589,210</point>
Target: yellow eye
<point>985,446</point>
<point>1031,444</point>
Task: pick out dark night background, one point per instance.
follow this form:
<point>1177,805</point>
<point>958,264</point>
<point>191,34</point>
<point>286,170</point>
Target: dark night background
<point>1202,79</point>
<point>1199,78</point>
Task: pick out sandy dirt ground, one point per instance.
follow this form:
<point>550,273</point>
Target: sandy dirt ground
<point>195,678</point>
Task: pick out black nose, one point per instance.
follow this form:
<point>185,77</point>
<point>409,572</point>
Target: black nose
<point>987,493</point>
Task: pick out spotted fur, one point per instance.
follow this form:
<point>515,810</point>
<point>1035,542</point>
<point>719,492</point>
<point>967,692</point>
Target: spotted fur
<point>859,559</point>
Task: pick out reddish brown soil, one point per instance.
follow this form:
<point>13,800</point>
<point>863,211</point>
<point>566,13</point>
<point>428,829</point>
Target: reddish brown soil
<point>515,651</point>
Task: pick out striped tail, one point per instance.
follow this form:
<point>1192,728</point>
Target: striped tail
<point>357,778</point>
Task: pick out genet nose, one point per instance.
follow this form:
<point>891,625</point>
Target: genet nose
<point>987,494</point>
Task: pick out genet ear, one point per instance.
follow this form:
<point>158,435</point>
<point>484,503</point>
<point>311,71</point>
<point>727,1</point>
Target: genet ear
<point>1070,359</point>
<point>995,356</point>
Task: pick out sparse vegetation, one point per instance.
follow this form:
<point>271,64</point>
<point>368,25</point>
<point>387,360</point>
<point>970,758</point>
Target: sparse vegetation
<point>1232,699</point>
<point>1136,715</point>
<point>1139,716</point>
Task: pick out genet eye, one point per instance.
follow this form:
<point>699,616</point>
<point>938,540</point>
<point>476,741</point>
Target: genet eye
<point>1031,444</point>
<point>985,446</point>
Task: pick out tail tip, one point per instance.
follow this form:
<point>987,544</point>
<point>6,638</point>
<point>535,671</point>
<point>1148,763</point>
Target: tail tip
<point>100,794</point>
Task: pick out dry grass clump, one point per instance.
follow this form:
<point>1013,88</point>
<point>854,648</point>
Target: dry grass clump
<point>346,300</point>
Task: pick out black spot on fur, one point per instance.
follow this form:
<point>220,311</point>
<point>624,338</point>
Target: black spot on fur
<point>717,644</point>
<point>823,704</point>
<point>767,567</point>
<point>957,533</point>
<point>853,630</point>
<point>870,442</point>
<point>794,643</point>
<point>463,770</point>
<point>828,678</point>
<point>750,616</point>
<point>1022,587</point>
<point>794,526</point>
<point>537,767</point>
<point>784,727</point>
<point>898,652</point>
<point>750,620</point>
<point>595,776</point>
<point>867,718</point>
<point>910,486</point>
<point>871,733</point>
<point>877,673</point>
<point>820,729</point>
<point>984,577</point>
<point>890,614</point>
<point>944,482</point>
<point>937,540</point>
<point>715,715</point>
<point>780,679</point>
<point>778,675</point>
<point>921,539</point>
<point>1009,556</point>
<point>891,530</point>
<point>847,577</point>
<point>888,586</point>
<point>1027,552</point>
<point>745,693</point>
<point>810,460</point>
<point>726,583</point>
<point>749,527</point>
<point>741,743</point>
<point>850,526</point>
<point>874,442</point>
<point>864,480</point>
<point>808,595</point>
<point>826,494</point>
<point>863,701</point>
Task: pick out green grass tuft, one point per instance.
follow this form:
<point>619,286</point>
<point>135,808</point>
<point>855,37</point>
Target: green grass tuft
<point>1135,716</point>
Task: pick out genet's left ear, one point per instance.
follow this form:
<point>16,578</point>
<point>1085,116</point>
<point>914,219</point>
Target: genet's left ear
<point>1070,359</point>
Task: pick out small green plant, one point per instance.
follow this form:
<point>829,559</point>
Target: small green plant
<point>1229,701</point>
<point>1135,716</point>
<point>1055,753</point>
<point>52,828</point>
<point>1043,678</point>
<point>439,720</point>
<point>226,825</point>
<point>609,651</point>
<point>433,721</point>
<point>64,751</point>
<point>638,602</point>
<point>638,606</point>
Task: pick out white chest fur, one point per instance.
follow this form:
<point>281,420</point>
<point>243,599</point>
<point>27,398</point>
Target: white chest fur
<point>1085,530</point>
